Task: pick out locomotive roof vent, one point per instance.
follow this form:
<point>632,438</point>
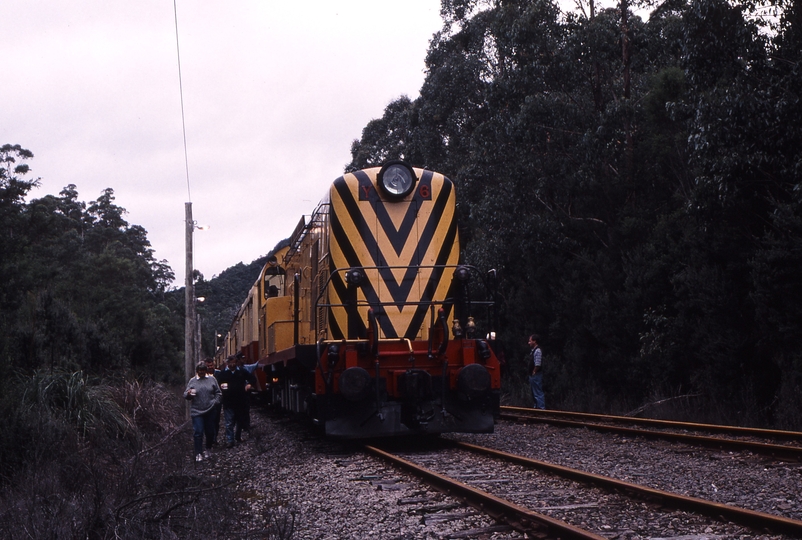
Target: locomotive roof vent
<point>396,179</point>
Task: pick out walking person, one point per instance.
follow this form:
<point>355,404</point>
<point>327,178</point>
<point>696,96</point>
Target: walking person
<point>234,383</point>
<point>211,370</point>
<point>536,372</point>
<point>204,394</point>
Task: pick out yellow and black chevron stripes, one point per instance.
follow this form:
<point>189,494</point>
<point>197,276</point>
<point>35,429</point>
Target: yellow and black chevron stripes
<point>408,249</point>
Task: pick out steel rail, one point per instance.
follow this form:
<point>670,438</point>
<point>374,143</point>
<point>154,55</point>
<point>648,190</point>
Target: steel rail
<point>519,517</point>
<point>734,430</point>
<point>777,450</point>
<point>750,518</point>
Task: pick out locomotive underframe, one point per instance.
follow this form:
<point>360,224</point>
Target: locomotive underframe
<point>411,395</point>
<point>347,419</point>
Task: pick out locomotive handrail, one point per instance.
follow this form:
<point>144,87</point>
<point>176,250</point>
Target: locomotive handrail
<point>366,303</point>
<point>379,305</point>
<point>346,341</point>
<point>374,330</point>
<point>363,303</point>
<point>297,237</point>
<point>296,285</point>
<point>302,229</point>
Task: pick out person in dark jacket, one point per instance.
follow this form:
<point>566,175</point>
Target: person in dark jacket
<point>204,393</point>
<point>235,384</point>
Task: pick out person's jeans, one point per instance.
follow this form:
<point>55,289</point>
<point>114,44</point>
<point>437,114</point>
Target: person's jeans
<point>230,415</point>
<point>235,422</point>
<point>536,382</point>
<point>203,424</point>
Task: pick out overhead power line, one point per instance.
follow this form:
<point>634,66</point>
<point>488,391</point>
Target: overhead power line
<point>181,92</point>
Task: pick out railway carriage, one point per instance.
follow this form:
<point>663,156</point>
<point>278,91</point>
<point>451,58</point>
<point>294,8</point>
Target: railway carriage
<point>365,322</point>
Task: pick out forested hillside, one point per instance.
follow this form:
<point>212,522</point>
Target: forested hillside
<point>80,288</point>
<point>223,296</point>
<point>636,182</point>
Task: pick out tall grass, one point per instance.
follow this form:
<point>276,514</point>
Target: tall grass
<point>89,408</point>
<point>80,458</point>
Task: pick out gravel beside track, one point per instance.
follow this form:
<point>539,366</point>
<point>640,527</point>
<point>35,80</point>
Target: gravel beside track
<point>334,491</point>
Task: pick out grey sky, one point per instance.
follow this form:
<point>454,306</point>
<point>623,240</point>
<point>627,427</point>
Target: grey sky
<point>274,93</point>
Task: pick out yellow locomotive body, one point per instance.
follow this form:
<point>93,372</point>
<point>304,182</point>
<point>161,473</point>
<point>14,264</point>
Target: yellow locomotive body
<point>357,324</point>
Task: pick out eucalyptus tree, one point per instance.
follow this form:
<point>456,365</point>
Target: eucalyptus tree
<point>14,186</point>
<point>81,288</point>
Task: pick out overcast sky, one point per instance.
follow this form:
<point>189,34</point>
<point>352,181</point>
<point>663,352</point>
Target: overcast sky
<point>274,93</point>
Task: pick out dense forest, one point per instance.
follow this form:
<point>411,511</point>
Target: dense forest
<point>634,180</point>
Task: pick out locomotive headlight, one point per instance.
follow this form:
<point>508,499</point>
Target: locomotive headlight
<point>355,383</point>
<point>473,381</point>
<point>354,276</point>
<point>396,179</point>
<point>463,273</point>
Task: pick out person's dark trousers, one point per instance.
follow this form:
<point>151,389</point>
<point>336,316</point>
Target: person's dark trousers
<point>242,419</point>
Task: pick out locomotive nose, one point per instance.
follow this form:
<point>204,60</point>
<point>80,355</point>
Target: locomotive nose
<point>473,380</point>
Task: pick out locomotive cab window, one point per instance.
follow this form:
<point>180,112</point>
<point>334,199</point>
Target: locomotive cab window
<point>274,278</point>
<point>274,286</point>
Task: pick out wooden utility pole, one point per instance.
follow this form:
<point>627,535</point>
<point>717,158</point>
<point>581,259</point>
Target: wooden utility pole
<point>190,354</point>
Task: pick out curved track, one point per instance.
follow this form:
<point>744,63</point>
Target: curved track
<point>661,430</point>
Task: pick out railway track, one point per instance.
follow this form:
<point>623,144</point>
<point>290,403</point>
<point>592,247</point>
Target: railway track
<point>519,491</point>
<point>338,490</point>
<point>669,430</point>
<point>518,516</point>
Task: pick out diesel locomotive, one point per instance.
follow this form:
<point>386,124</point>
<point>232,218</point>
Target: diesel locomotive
<point>366,322</point>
